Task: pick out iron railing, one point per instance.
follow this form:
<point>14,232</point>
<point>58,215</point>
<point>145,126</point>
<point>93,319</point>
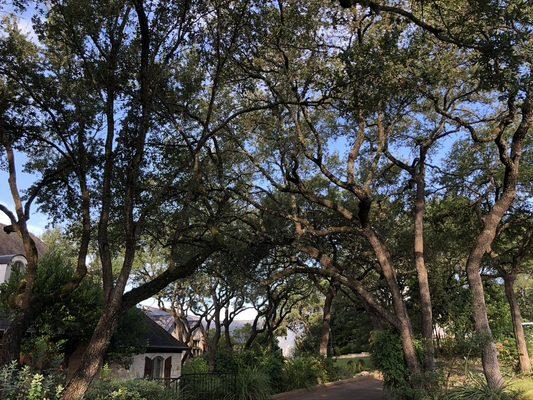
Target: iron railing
<point>203,386</point>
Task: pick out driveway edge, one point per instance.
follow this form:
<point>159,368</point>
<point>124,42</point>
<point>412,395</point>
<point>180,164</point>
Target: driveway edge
<point>357,378</point>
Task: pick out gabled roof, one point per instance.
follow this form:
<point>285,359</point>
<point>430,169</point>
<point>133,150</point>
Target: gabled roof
<point>166,321</point>
<point>158,340</point>
<point>11,243</point>
<point>163,318</point>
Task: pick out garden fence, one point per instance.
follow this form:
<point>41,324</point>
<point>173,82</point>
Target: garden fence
<point>203,386</point>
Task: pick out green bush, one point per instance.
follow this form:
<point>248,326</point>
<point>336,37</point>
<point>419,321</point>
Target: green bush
<point>252,384</point>
<point>479,390</point>
<point>265,361</point>
<point>128,390</point>
<point>344,368</point>
<point>387,356</point>
<point>302,372</point>
<point>195,366</point>
<point>25,384</point>
<point>508,353</point>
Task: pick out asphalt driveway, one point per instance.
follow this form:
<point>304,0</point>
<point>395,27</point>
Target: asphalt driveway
<point>365,388</point>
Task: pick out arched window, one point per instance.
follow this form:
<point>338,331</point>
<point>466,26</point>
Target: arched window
<point>18,266</point>
<point>158,367</point>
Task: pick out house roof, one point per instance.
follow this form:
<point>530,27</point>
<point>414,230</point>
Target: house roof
<point>11,243</point>
<point>158,340</point>
<point>166,321</point>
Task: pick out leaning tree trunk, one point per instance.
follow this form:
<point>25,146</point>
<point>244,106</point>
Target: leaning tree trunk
<point>93,356</point>
<point>523,356</point>
<point>326,324</point>
<point>422,273</point>
<point>491,366</point>
<point>404,328</point>
<point>483,243</point>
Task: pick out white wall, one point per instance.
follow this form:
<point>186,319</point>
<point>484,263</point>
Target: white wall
<point>3,272</point>
<point>136,369</point>
<point>287,343</point>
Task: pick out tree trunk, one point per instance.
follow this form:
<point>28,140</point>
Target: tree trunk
<point>13,337</point>
<point>93,356</point>
<point>521,344</point>
<point>253,334</point>
<point>405,329</point>
<point>326,324</point>
<point>214,342</point>
<point>491,366</point>
<point>227,335</point>
<point>422,273</point>
<point>400,320</point>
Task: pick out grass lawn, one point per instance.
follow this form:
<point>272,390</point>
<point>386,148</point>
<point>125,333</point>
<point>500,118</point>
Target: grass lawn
<point>364,362</point>
<point>526,385</point>
<point>349,367</point>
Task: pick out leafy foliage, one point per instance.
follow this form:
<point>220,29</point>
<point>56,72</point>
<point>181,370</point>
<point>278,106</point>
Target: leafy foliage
<point>65,324</point>
<point>304,372</point>
<point>479,390</point>
<point>24,384</point>
<point>128,390</point>
<point>253,384</point>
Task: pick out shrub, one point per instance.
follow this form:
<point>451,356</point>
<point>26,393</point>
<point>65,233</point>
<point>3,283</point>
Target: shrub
<point>252,384</point>
<point>343,368</point>
<point>302,372</point>
<point>24,384</point>
<point>195,366</point>
<point>508,353</point>
<point>387,356</point>
<point>479,390</point>
<point>128,390</point>
<point>270,363</point>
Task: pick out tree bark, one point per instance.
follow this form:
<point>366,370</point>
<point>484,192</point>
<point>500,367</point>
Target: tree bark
<point>521,344</point>
<point>422,273</point>
<point>11,341</point>
<point>491,366</point>
<point>227,335</point>
<point>93,357</point>
<point>216,338</point>
<point>326,324</point>
<point>485,238</point>
<point>253,334</point>
<point>404,328</point>
<point>12,338</point>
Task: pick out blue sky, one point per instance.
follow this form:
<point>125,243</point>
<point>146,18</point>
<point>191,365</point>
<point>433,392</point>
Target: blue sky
<point>38,221</point>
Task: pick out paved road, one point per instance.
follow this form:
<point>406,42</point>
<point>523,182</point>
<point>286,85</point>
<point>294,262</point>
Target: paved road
<point>367,388</point>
